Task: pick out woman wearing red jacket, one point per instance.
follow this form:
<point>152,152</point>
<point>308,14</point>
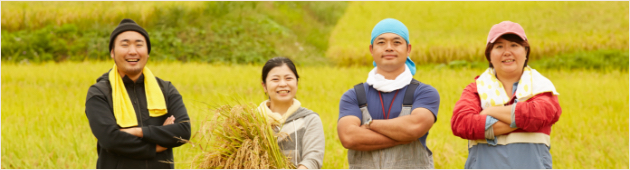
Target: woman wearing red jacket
<point>507,113</point>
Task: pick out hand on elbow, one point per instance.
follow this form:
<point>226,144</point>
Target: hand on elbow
<point>169,121</point>
<point>159,148</point>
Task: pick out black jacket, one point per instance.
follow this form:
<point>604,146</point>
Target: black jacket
<point>117,149</point>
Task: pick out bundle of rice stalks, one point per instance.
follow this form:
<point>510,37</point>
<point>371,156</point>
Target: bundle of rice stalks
<point>239,138</point>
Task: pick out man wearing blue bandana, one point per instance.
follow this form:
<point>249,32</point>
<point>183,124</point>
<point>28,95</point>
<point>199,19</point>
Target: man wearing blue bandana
<point>384,122</point>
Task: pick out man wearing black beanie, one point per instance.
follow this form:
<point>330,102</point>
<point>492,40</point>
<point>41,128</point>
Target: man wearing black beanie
<point>137,118</point>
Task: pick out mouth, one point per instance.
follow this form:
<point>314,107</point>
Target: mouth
<point>508,61</point>
<point>389,56</point>
<point>283,92</point>
<point>133,61</point>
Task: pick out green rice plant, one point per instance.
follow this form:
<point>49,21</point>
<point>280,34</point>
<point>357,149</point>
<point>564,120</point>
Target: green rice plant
<point>239,137</point>
<point>216,31</point>
<point>440,32</point>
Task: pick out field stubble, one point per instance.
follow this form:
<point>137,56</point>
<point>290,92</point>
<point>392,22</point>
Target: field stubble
<point>44,124</point>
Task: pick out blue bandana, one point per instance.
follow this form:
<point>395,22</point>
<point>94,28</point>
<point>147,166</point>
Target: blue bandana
<point>391,25</point>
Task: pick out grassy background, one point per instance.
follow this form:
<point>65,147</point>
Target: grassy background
<point>34,15</point>
<point>562,34</point>
<point>217,32</point>
<point>441,32</point>
<point>44,123</point>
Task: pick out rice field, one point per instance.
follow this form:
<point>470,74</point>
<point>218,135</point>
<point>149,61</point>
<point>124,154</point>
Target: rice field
<point>44,124</point>
<point>441,32</point>
<point>32,15</point>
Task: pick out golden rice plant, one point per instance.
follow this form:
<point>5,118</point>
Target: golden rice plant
<point>18,15</point>
<point>436,36</point>
<point>239,137</point>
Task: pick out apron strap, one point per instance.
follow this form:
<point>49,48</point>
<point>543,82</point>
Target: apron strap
<point>408,100</point>
<point>359,89</point>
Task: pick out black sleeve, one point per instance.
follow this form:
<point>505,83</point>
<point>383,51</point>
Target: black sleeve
<point>109,136</point>
<point>168,136</point>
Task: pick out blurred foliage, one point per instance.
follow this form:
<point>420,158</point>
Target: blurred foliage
<point>218,32</point>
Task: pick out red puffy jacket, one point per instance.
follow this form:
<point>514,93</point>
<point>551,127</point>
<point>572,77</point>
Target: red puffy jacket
<point>537,114</point>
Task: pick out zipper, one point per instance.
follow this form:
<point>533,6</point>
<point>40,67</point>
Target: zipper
<point>137,103</point>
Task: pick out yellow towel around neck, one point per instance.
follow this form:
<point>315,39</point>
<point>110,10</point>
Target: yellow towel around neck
<point>123,109</point>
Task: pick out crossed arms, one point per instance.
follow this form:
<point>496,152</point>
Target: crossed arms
<point>384,133</point>
<point>469,118</point>
<point>137,131</point>
<point>141,142</point>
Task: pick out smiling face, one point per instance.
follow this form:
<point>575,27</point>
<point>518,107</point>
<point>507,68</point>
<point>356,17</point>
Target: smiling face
<point>130,53</point>
<point>390,51</point>
<point>508,57</point>
<point>281,84</point>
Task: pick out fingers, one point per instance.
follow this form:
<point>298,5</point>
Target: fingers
<point>364,126</point>
<point>126,130</point>
<point>169,120</point>
<point>172,119</point>
<point>133,131</point>
<point>159,148</point>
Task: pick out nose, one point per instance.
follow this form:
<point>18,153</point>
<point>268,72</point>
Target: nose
<point>507,51</point>
<point>389,47</point>
<point>282,83</point>
<point>133,50</point>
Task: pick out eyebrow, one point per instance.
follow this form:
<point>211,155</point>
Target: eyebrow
<point>382,38</point>
<point>127,40</point>
<point>278,75</point>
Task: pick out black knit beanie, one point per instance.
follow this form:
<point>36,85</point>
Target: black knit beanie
<point>128,25</point>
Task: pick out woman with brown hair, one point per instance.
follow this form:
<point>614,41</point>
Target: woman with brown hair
<point>304,141</point>
<point>507,113</point>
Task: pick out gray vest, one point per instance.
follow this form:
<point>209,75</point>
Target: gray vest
<point>409,156</point>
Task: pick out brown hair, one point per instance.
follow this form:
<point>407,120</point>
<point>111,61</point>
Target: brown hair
<point>509,37</point>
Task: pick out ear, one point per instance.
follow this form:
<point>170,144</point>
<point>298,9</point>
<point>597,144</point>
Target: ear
<point>111,54</point>
<point>264,86</point>
<point>408,49</point>
<point>371,49</point>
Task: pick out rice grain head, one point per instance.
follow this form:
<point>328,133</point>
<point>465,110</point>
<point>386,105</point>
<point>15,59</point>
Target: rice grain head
<point>239,137</point>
